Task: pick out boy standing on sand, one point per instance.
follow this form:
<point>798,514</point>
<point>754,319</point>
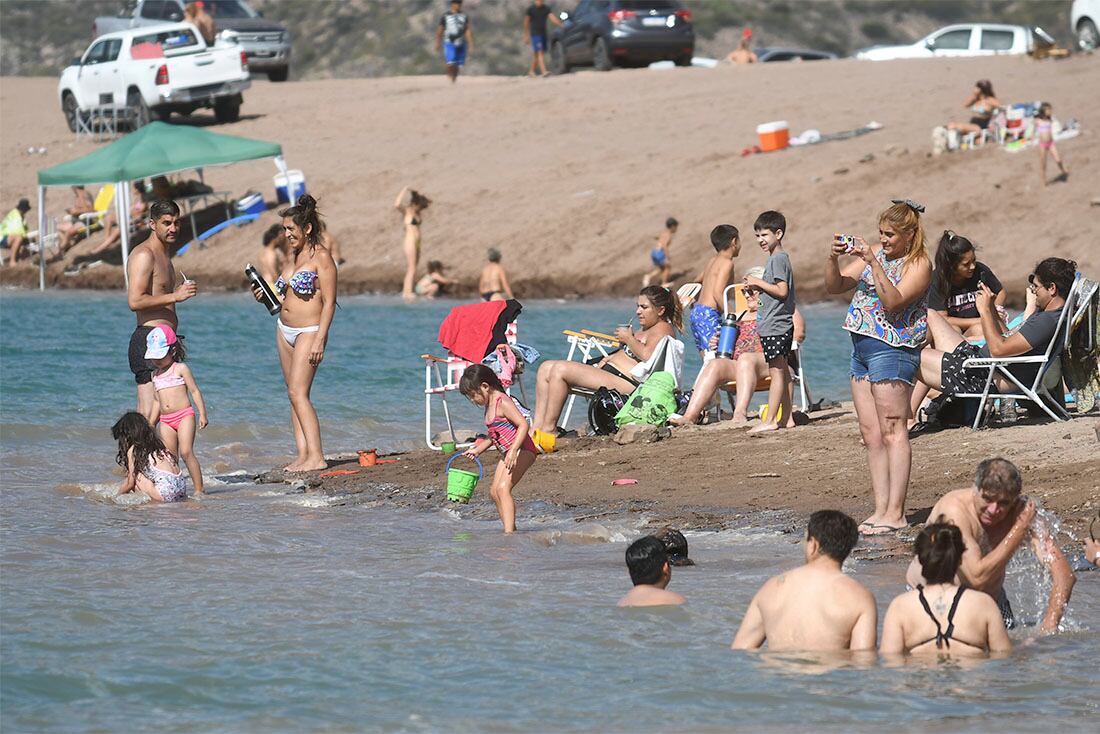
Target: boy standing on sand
<point>647,561</point>
<point>662,266</point>
<point>775,319</point>
<point>454,26</point>
<point>815,606</point>
<point>706,313</point>
<point>534,31</point>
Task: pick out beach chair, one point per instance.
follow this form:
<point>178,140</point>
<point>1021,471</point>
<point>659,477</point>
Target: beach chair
<point>1046,378</point>
<point>93,220</point>
<point>687,293</point>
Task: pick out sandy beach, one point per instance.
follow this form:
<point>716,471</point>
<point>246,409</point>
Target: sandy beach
<point>572,177</point>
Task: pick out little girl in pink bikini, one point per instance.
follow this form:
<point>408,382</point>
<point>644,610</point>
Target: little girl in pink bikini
<point>1044,133</point>
<point>508,430</point>
<point>173,382</point>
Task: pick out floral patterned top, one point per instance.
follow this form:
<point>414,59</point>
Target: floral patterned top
<point>866,316</point>
<point>748,340</point>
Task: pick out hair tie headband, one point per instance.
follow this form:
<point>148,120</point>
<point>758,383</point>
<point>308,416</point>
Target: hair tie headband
<point>918,208</point>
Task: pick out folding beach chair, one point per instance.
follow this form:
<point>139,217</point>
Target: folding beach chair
<point>1038,391</point>
<point>93,220</point>
<point>687,293</point>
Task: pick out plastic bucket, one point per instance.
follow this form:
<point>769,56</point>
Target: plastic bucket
<point>289,187</point>
<point>773,135</point>
<point>461,483</point>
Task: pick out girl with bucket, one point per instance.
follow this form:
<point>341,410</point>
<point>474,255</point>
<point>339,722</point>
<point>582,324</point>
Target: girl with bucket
<point>508,430</point>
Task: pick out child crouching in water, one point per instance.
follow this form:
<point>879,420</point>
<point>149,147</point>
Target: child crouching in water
<point>507,429</point>
<point>173,382</point>
<point>150,467</point>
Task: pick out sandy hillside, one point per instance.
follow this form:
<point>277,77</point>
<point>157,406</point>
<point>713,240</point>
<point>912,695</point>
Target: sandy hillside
<point>572,177</point>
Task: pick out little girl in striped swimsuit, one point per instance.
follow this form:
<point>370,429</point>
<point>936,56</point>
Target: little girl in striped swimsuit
<point>174,382</point>
<point>508,423</point>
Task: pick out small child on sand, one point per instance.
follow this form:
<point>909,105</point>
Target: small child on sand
<point>775,319</point>
<point>662,266</point>
<point>647,562</point>
<point>706,312</point>
<point>507,429</point>
<point>150,467</point>
<point>173,382</point>
<point>1044,133</point>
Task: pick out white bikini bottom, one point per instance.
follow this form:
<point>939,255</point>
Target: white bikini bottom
<point>290,333</point>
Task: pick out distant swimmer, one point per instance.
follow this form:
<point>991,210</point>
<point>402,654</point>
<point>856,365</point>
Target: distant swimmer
<point>493,284</point>
<point>152,294</point>
<point>662,265</point>
<point>994,520</point>
<point>815,606</point>
<point>743,54</point>
<point>647,561</point>
<point>456,39</point>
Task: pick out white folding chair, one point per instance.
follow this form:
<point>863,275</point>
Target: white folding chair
<point>583,346</point>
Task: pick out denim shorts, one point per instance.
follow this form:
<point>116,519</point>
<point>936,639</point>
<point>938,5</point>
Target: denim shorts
<point>877,361</point>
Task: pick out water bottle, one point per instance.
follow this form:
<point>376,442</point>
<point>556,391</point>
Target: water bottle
<point>727,337</point>
<point>269,299</point>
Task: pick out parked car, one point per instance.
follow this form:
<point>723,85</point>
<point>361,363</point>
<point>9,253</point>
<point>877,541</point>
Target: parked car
<point>965,39</point>
<point>765,55</point>
<point>158,70</point>
<point>265,42</point>
<point>608,33</point>
<point>1084,19</point>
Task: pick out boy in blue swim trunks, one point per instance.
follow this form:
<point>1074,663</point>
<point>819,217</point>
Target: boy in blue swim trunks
<point>535,32</point>
<point>455,37</point>
<point>662,266</point>
<point>706,313</point>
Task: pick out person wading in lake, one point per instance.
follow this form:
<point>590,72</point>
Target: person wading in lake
<point>152,293</point>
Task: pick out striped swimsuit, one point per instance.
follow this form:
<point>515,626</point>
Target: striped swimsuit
<point>502,432</point>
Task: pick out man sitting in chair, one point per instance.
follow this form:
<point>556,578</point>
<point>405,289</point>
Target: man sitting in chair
<point>943,370</point>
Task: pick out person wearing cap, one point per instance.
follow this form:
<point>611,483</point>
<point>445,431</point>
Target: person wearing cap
<point>175,388</point>
<point>676,546</point>
<point>455,37</point>
<point>650,571</point>
<point>743,54</point>
<point>13,229</point>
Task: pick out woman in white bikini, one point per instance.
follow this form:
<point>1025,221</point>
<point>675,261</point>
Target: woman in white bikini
<point>412,207</point>
<point>307,291</point>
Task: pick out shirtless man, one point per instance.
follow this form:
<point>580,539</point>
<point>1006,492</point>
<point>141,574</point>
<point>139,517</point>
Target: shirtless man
<point>994,520</point>
<point>815,606</point>
<point>647,561</point>
<point>152,293</point>
<point>743,54</point>
<point>493,284</point>
<point>706,313</point>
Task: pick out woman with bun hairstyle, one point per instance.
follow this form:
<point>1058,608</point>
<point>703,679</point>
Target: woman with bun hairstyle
<point>411,203</point>
<point>941,617</point>
<point>307,290</point>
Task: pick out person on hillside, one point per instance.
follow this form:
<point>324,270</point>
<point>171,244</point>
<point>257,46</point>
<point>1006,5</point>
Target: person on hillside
<point>650,571</point>
<point>152,294</point>
<point>434,283</point>
<point>493,283</point>
<point>994,520</point>
<point>888,321</point>
<point>455,36</point>
<point>706,313</point>
<point>743,54</point>
<point>942,616</point>
<point>535,33</point>
<point>662,265</point>
<point>411,203</point>
<point>13,229</point>
<point>815,606</point>
<point>983,104</point>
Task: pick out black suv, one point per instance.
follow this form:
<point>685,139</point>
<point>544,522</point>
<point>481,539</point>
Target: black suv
<point>607,33</point>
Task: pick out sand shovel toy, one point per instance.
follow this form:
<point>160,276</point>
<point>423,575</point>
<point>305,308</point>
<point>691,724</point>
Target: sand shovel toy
<point>461,483</point>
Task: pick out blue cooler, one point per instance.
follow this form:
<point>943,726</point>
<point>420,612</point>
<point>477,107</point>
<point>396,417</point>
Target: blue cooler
<point>251,204</point>
<point>294,180</point>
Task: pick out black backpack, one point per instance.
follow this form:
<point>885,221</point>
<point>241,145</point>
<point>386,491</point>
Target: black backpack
<point>602,409</point>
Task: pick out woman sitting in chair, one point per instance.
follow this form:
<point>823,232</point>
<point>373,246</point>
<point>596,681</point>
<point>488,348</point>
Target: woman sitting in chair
<point>659,315</point>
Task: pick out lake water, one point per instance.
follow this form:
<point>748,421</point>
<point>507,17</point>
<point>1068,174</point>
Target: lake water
<point>258,609</point>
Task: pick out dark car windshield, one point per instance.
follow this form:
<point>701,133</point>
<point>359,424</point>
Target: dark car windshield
<point>229,9</point>
<point>636,5</point>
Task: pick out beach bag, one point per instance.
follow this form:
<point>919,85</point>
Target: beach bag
<point>651,403</point>
<point>602,409</point>
<point>948,411</point>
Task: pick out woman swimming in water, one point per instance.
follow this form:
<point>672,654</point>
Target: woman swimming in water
<point>412,206</point>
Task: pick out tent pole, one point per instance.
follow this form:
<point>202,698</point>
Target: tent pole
<point>122,199</point>
<point>41,238</point>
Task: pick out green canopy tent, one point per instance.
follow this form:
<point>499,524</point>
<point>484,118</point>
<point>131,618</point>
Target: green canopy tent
<point>156,149</point>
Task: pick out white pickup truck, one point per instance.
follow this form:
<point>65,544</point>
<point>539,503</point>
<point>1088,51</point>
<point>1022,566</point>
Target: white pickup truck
<point>965,39</point>
<point>158,69</point>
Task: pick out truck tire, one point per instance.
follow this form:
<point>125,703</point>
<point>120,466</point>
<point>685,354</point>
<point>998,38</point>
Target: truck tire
<point>139,111</point>
<point>70,109</point>
<point>558,62</point>
<point>601,57</point>
<point>684,60</point>
<point>1087,37</point>
<point>279,75</point>
<point>227,109</point>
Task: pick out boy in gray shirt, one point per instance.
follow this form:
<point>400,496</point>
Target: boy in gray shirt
<point>775,319</point>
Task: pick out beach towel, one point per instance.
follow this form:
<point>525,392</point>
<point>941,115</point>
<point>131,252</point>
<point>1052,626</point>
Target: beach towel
<point>467,332</point>
<point>668,356</point>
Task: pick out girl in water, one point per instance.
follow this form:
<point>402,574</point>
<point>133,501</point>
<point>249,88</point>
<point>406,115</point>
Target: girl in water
<point>412,207</point>
<point>508,430</point>
<point>1044,133</point>
<point>150,467</point>
<point>307,290</point>
<point>173,381</point>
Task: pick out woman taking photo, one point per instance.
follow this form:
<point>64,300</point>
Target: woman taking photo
<point>411,203</point>
<point>307,290</point>
<point>888,320</point>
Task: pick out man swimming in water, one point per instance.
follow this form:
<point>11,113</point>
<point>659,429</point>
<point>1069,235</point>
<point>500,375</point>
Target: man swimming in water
<point>815,606</point>
<point>647,562</point>
<point>994,520</point>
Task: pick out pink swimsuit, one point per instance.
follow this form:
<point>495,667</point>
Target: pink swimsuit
<point>169,378</point>
<point>502,432</point>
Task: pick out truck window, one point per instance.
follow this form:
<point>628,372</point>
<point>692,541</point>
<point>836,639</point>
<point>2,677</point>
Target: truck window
<point>111,52</point>
<point>96,54</point>
<point>952,40</point>
<point>153,9</point>
<point>229,9</point>
<point>997,40</point>
<point>169,40</point>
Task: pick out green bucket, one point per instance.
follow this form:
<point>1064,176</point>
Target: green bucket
<point>461,483</point>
